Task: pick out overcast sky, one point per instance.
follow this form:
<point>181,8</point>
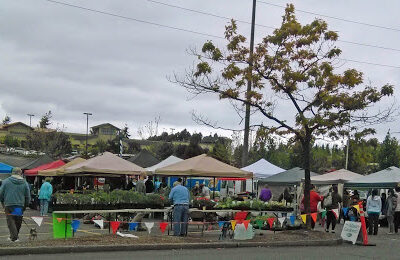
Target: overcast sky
<point>71,61</point>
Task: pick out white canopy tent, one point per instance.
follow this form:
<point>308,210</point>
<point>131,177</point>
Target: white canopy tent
<point>260,169</point>
<point>263,169</point>
<point>170,160</point>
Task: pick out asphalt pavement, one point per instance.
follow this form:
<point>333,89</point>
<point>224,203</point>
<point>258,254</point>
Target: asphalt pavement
<point>387,247</point>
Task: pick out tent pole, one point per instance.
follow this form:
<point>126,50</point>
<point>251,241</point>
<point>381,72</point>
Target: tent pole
<point>214,190</point>
<point>252,185</point>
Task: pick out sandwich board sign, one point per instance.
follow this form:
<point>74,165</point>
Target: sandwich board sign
<point>350,231</point>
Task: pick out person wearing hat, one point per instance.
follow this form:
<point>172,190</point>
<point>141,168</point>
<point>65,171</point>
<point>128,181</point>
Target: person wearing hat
<point>14,197</point>
<point>46,190</point>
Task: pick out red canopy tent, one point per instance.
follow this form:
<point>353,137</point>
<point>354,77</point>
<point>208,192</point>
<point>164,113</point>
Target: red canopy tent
<point>47,166</point>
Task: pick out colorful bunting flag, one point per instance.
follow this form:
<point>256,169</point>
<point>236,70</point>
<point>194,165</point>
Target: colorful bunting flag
<point>357,207</point>
<point>99,222</point>
<point>345,210</point>
<point>336,213</point>
<point>304,218</point>
<point>59,220</point>
<point>260,223</point>
<point>163,226</point>
<point>314,216</point>
<point>75,224</point>
<point>221,224</point>
<point>115,226</point>
<point>271,222</point>
<point>149,226</point>
<point>133,226</point>
<point>281,220</point>
<point>246,223</point>
<point>292,219</point>
<point>233,223</point>
<point>323,214</point>
<point>38,220</point>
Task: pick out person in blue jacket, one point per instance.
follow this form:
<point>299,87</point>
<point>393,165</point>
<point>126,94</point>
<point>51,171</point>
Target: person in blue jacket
<point>46,190</point>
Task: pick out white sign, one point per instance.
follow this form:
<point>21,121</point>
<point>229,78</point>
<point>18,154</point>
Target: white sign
<point>350,231</point>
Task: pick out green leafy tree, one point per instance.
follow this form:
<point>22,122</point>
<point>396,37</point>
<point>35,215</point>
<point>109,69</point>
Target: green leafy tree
<point>10,141</point>
<point>296,66</point>
<point>179,151</point>
<point>389,152</point>
<point>222,150</point>
<point>55,144</point>
<point>101,146</point>
<point>165,150</point>
<point>6,120</point>
<point>45,120</point>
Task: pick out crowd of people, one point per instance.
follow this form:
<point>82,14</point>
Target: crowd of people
<point>381,209</point>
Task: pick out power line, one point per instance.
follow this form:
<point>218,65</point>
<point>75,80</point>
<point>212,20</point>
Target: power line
<point>182,29</point>
<point>133,19</point>
<point>336,18</point>
<point>262,25</point>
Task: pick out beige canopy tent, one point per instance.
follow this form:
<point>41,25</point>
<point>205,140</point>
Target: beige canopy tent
<point>203,166</point>
<point>106,164</point>
<point>62,170</point>
<point>335,177</point>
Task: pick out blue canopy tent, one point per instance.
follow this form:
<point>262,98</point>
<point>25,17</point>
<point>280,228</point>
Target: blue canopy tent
<point>5,170</point>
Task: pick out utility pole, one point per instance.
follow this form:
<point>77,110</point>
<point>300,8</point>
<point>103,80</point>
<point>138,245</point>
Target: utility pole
<point>30,119</point>
<point>87,130</point>
<point>245,153</point>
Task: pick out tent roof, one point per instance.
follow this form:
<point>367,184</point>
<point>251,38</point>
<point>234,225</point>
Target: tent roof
<point>60,170</point>
<point>16,160</point>
<point>144,159</point>
<point>289,177</point>
<point>338,176</point>
<point>203,166</point>
<point>4,168</point>
<point>262,169</point>
<point>386,178</point>
<point>170,160</point>
<point>106,163</point>
<point>37,162</point>
<point>52,165</point>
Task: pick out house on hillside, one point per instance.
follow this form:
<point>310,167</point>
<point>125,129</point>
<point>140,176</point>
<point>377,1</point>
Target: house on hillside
<point>104,132</point>
<point>17,130</point>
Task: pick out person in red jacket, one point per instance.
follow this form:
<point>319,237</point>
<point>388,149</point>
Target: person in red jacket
<point>314,199</point>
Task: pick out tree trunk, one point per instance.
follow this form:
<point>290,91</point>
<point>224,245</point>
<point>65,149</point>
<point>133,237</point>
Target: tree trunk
<point>307,182</point>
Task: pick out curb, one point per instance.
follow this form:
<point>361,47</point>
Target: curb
<point>140,247</point>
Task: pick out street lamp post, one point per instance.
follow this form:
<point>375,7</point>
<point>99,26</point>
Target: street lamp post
<point>87,130</point>
<point>30,119</point>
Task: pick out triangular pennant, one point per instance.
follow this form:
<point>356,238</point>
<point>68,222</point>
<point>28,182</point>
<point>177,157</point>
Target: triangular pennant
<point>221,224</point>
<point>38,220</point>
<point>246,223</point>
<point>59,220</point>
<point>304,218</point>
<point>292,219</point>
<point>99,222</point>
<point>271,222</point>
<point>357,207</point>
<point>281,220</point>
<point>336,213</point>
<point>163,226</point>
<point>149,226</point>
<point>323,214</point>
<point>260,223</point>
<point>345,210</point>
<point>233,223</point>
<point>115,226</point>
<point>75,224</point>
<point>314,216</point>
<point>133,225</point>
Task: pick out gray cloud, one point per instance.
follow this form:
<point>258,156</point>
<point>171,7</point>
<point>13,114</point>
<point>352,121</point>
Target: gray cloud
<point>71,61</point>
